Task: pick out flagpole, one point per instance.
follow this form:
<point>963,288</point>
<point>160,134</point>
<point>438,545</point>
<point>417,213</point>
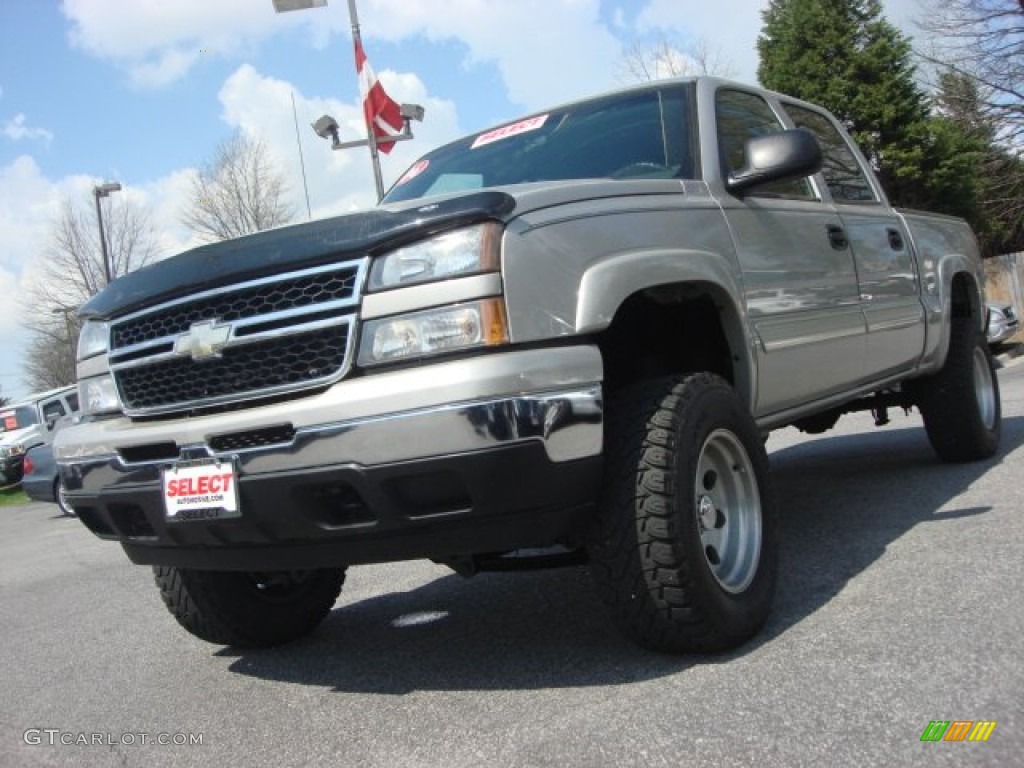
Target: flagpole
<point>371,137</point>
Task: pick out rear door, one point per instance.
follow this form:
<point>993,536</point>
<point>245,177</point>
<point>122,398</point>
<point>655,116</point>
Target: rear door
<point>887,274</point>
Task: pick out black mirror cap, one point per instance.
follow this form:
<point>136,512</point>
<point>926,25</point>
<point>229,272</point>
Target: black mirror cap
<point>783,156</point>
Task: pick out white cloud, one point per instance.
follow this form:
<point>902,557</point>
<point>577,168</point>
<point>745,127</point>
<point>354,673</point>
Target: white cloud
<point>547,51</point>
<point>165,198</point>
<point>157,41</point>
<point>728,26</point>
<point>168,66</point>
<point>17,128</point>
<point>29,203</point>
<point>338,181</point>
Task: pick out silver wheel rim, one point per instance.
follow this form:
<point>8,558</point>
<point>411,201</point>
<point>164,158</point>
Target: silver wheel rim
<point>728,509</point>
<point>62,500</point>
<point>983,389</point>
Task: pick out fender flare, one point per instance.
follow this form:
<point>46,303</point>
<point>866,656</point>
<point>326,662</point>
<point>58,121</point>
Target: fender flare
<point>607,284</point>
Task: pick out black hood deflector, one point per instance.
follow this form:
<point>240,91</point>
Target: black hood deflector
<point>295,247</point>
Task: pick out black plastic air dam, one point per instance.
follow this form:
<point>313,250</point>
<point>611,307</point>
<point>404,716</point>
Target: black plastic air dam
<point>486,501</point>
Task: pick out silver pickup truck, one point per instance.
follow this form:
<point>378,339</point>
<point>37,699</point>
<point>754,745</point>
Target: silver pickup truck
<point>562,340</point>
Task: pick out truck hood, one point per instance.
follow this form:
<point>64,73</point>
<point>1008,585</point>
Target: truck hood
<point>354,235</point>
<point>292,247</point>
<point>18,435</point>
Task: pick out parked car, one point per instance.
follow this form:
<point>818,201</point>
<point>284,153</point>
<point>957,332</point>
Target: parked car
<point>28,423</point>
<point>40,480</point>
<point>1003,323</point>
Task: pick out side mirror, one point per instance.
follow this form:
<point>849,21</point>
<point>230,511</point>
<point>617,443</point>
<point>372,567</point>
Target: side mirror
<point>783,156</point>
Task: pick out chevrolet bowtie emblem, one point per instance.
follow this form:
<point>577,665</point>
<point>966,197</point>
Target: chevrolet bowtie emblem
<point>203,340</point>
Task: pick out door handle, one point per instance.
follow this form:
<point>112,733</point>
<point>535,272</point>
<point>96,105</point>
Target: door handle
<point>895,239</point>
<point>837,237</point>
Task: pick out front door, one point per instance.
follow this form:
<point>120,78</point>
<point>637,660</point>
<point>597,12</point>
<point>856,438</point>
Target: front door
<point>798,271</point>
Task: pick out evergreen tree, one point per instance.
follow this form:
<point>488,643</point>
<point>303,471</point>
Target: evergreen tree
<point>998,218</point>
<point>844,55</point>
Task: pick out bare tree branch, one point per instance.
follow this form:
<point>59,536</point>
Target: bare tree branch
<point>70,271</point>
<point>237,192</point>
<point>664,59</point>
<point>984,41</point>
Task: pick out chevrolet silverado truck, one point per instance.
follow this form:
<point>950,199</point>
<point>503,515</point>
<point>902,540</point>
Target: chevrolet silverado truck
<point>562,340</point>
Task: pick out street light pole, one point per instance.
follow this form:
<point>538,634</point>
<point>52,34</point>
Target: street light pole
<point>104,190</point>
<point>68,374</point>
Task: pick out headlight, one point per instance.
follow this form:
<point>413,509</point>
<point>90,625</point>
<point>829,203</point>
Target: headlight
<point>474,324</point>
<point>458,253</point>
<point>98,395</point>
<point>10,451</point>
<point>94,339</point>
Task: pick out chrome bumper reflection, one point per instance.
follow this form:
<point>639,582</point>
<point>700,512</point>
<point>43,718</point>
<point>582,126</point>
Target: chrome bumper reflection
<point>569,424</point>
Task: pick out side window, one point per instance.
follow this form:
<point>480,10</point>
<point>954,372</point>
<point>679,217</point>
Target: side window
<point>843,174</point>
<point>52,411</point>
<point>72,399</point>
<point>741,116</point>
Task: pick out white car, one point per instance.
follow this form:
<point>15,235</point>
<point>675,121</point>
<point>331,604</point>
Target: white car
<point>28,423</point>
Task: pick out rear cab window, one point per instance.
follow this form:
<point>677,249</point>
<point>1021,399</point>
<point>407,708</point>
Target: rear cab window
<point>844,176</point>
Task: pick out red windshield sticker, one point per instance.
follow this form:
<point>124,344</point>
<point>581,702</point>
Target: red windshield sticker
<point>524,126</point>
<point>415,171</point>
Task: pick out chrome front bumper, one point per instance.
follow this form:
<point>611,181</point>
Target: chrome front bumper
<point>517,465</point>
<point>550,395</point>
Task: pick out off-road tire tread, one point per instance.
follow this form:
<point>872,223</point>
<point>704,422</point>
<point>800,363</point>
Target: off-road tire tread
<point>212,606</point>
<point>637,561</point>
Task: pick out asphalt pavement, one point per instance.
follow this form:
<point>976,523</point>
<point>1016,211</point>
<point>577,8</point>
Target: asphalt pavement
<point>899,604</point>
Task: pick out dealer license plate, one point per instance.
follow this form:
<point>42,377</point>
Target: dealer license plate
<point>201,491</point>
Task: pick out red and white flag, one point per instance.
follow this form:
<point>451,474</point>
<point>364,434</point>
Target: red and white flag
<point>382,112</point>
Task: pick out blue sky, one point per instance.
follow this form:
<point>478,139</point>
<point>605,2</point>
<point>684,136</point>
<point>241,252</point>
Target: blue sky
<point>141,91</point>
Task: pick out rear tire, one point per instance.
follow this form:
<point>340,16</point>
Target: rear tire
<point>960,404</point>
<point>248,609</point>
<point>685,553</point>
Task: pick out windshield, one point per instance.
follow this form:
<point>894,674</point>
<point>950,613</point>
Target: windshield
<point>646,134</point>
<point>17,418</point>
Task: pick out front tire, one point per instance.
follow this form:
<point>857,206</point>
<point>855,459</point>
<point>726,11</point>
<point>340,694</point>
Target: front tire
<point>60,496</point>
<point>960,404</point>
<point>685,552</point>
<point>248,609</point>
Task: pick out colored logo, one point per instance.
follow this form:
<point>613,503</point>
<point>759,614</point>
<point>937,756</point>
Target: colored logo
<point>958,730</point>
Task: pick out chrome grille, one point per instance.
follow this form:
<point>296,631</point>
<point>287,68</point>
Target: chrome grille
<point>272,336</point>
